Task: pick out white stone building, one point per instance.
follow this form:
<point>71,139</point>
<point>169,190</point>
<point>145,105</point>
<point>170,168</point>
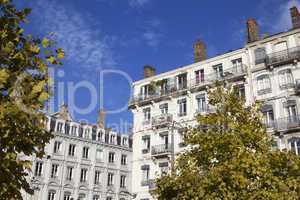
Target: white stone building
<point>266,69</point>
<point>82,161</point>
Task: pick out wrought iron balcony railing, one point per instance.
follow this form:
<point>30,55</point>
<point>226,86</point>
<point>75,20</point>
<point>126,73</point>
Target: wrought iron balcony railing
<point>285,123</point>
<point>282,57</point>
<point>161,149</point>
<point>162,120</point>
<point>170,89</point>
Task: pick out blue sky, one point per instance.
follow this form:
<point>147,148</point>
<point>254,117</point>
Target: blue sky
<point>127,34</point>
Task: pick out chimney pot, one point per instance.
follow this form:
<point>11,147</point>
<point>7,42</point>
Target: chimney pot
<point>199,51</point>
<point>252,30</point>
<point>149,71</point>
<point>101,119</point>
<point>295,16</point>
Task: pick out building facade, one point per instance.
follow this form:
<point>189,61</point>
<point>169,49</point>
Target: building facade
<point>266,69</point>
<point>82,161</point>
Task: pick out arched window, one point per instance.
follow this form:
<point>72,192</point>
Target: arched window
<point>286,79</point>
<point>263,84</point>
<point>294,144</point>
<point>260,55</point>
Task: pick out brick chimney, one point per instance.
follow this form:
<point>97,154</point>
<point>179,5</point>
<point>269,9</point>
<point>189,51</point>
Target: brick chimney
<point>149,71</point>
<point>295,16</point>
<point>199,51</point>
<point>101,119</point>
<point>252,30</point>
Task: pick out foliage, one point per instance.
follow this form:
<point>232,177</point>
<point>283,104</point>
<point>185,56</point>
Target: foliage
<point>230,156</point>
<point>24,88</point>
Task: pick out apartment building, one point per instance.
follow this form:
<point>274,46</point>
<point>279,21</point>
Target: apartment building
<point>164,105</point>
<point>82,161</point>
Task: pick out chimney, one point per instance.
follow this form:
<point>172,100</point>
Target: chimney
<point>252,30</point>
<point>199,51</point>
<point>149,71</point>
<point>295,17</point>
<point>101,119</point>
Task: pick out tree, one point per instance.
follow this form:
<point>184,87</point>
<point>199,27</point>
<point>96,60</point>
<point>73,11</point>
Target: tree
<point>24,88</point>
<point>230,156</point>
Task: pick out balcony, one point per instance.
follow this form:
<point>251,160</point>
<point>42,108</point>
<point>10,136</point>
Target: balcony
<point>229,74</point>
<point>283,57</point>
<point>161,150</point>
<point>162,120</point>
<point>284,124</point>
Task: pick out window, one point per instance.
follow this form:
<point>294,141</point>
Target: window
<point>182,107</point>
<point>81,197</point>
<point>108,198</point>
<point>38,169</point>
<point>237,65</point>
<point>111,157</point>
<point>145,173</point>
<point>74,130</point>
<point>263,84</point>
<point>97,177</point>
<point>240,91</point>
<point>59,127</point>
<point>165,139</point>
<point>71,149</point>
<point>96,197</point>
<point>123,160</point>
<point>163,108</point>
<point>67,196</point>
<point>86,133</point>
<point>83,175</point>
<point>100,135</point>
<point>286,79</point>
<point>295,145</point>
<point>85,153</point>
<point>218,71</point>
<point>69,173</point>
<point>110,179</point>
<point>122,181</point>
<point>268,115</point>
<point>51,195</point>
<point>112,139</point>
<point>292,113</point>
<point>201,103</point>
<point>124,141</point>
<point>99,155</point>
<point>260,55</point>
<point>57,146</point>
<point>164,168</point>
<point>147,114</point>
<point>54,171</point>
<point>199,76</point>
<point>146,143</point>
<point>182,81</point>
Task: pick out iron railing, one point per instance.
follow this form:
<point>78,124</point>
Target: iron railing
<point>161,120</point>
<point>171,89</point>
<point>161,149</point>
<point>284,56</point>
<point>285,123</point>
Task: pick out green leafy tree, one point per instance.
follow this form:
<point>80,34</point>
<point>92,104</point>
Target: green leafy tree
<point>231,157</point>
<point>24,88</point>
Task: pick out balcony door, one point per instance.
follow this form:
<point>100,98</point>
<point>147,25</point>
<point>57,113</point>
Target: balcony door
<point>182,81</point>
